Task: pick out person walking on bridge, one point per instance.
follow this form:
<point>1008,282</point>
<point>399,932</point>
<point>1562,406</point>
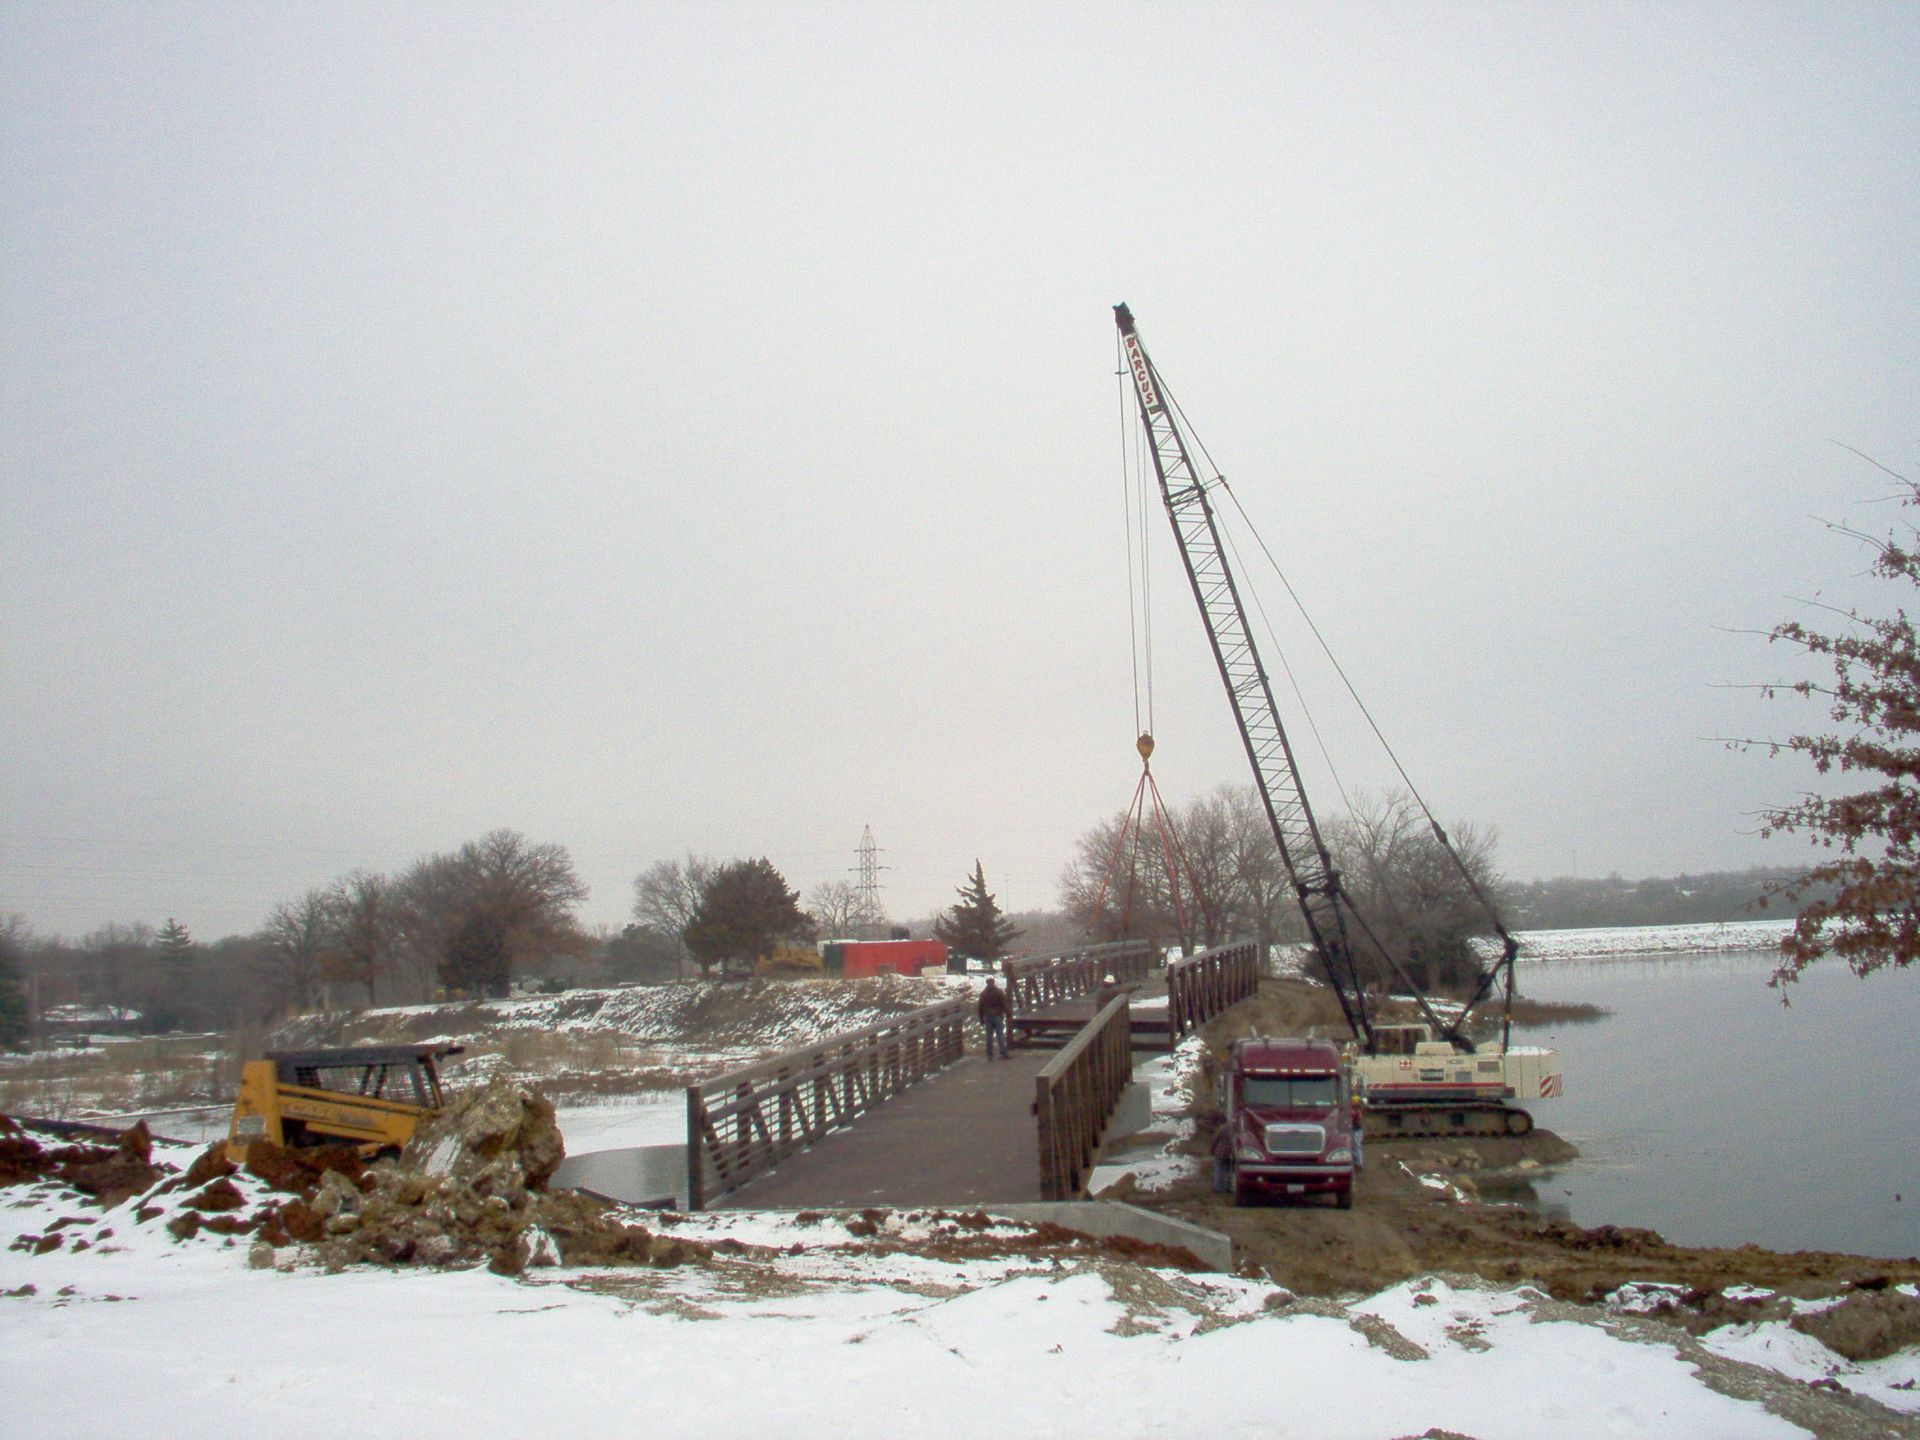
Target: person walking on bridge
<point>994,1011</point>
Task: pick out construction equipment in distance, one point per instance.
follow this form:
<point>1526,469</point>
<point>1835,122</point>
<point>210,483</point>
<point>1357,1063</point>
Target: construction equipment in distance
<point>1469,1084</point>
<point>371,1097</point>
<point>790,961</point>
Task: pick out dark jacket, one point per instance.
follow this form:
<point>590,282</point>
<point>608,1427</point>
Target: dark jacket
<point>993,1001</point>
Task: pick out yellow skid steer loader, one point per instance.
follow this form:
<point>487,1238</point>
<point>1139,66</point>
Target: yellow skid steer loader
<point>371,1097</point>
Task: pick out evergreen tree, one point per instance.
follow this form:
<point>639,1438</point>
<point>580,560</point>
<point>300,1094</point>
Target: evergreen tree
<point>170,1007</point>
<point>172,941</point>
<point>746,908</point>
<point>975,928</point>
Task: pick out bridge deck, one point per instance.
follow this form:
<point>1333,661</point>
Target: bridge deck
<point>1057,1022</point>
<point>967,1136</point>
<point>964,1137</point>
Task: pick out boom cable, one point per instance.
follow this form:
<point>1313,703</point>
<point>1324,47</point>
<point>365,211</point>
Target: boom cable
<point>1139,599</point>
<point>1126,496</point>
<point>1439,831</point>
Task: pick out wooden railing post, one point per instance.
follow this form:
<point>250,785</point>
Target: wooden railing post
<point>696,1150</point>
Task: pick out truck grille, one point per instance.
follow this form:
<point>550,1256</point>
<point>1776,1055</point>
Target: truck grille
<point>1296,1139</point>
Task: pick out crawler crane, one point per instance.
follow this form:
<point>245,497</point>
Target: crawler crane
<point>1424,1079</point>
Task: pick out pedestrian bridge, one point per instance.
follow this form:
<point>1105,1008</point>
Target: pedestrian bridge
<point>901,1114</point>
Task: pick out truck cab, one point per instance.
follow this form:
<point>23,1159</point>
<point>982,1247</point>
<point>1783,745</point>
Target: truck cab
<point>1290,1124</point>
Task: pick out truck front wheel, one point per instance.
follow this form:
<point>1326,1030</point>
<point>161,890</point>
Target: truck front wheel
<point>1344,1198</point>
<point>1243,1193</point>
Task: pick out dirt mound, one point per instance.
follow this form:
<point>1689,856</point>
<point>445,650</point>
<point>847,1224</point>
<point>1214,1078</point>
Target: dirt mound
<point>1868,1324</point>
<point>296,1171</point>
<point>1401,1228</point>
<point>1699,1311</point>
<point>106,1173</point>
<point>1278,1007</point>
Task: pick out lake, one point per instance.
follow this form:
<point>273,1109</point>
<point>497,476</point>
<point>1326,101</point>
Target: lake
<point>1707,1110</point>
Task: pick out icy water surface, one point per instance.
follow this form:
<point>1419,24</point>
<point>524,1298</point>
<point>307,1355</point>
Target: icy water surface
<point>1706,1110</point>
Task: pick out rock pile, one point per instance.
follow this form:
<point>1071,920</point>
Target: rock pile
<point>106,1173</point>
<point>469,1189</point>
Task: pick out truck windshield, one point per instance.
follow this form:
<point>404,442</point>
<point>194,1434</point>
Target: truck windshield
<point>1292,1092</point>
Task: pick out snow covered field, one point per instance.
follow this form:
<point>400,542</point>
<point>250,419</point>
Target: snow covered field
<point>1623,941</point>
<point>809,1328</point>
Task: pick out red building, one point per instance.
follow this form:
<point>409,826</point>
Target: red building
<point>859,958</point>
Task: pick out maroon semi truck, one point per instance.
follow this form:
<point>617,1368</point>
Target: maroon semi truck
<point>1290,1127</point>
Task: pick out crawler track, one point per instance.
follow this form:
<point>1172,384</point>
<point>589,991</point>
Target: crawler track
<point>1431,1122</point>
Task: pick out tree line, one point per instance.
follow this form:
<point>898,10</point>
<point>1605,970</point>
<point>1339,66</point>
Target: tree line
<point>1582,902</point>
<point>1233,883</point>
<point>468,921</point>
<point>465,921</point>
<point>457,923</point>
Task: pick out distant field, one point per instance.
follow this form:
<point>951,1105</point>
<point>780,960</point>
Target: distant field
<point>1608,941</point>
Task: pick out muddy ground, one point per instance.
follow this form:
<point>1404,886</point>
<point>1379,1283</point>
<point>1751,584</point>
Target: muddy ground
<point>1400,1227</point>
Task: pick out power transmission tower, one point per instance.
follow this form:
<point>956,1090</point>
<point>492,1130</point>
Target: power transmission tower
<point>870,917</point>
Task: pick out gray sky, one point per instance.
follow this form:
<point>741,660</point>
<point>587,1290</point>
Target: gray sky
<point>682,427</point>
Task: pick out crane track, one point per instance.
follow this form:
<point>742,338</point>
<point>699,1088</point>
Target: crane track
<point>1415,1122</point>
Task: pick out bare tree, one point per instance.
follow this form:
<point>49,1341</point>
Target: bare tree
<point>1419,907</point>
<point>1231,879</point>
<point>366,931</point>
<point>495,905</point>
<point>1210,844</point>
<point>667,894</point>
<point>836,907</point>
<point>16,1012</point>
<point>116,954</point>
<point>296,940</point>
<point>1109,894</point>
<point>432,894</point>
<point>1264,903</point>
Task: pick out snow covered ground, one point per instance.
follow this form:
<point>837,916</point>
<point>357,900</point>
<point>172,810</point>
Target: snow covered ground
<point>808,1328</point>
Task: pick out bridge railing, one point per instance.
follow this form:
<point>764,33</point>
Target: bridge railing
<point>1035,982</point>
<point>1201,986</point>
<point>743,1123</point>
<point>1076,1095</point>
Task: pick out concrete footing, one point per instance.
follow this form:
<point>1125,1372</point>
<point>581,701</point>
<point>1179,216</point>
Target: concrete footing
<point>1133,1114</point>
<point>1106,1218</point>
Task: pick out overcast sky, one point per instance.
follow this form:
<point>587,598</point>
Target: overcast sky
<point>694,427</point>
